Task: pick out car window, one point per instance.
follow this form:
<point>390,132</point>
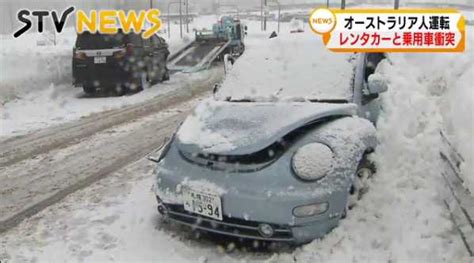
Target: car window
<point>87,40</point>
<point>157,42</point>
<point>372,61</point>
<point>135,39</point>
<point>147,42</point>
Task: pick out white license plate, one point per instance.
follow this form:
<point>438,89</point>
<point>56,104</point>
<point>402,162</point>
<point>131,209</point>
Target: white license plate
<point>100,60</point>
<point>202,203</point>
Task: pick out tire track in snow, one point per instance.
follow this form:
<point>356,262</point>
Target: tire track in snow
<point>20,148</point>
<point>32,185</point>
<point>45,167</point>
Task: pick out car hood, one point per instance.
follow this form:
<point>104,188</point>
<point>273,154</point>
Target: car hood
<point>240,128</point>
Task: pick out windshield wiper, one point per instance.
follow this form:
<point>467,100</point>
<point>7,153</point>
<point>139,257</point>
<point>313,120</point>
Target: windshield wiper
<point>240,100</point>
<point>340,101</point>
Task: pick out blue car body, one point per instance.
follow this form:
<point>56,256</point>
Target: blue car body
<point>242,153</point>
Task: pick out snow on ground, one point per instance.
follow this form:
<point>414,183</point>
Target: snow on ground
<point>114,220</point>
<point>36,81</point>
<point>457,104</point>
<point>62,103</point>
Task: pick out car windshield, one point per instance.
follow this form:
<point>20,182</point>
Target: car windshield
<point>99,41</point>
<point>295,69</point>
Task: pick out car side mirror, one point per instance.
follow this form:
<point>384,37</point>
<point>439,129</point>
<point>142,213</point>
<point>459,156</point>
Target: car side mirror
<point>376,84</point>
<point>155,156</point>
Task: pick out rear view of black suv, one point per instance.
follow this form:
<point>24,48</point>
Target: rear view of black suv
<point>119,62</point>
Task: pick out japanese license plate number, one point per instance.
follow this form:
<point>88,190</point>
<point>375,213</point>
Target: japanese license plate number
<point>100,60</point>
<point>202,203</point>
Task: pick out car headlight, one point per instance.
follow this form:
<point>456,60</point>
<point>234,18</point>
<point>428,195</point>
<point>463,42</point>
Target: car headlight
<point>312,161</point>
<point>310,210</point>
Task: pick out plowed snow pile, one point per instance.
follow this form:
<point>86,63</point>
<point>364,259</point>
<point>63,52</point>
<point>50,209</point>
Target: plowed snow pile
<point>402,217</point>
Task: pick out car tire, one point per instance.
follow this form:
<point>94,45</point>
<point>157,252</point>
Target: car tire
<point>120,90</point>
<point>152,76</point>
<point>140,83</point>
<point>88,89</point>
<point>166,76</point>
<point>365,171</point>
<point>143,81</point>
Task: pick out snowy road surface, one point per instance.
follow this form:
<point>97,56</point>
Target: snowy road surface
<point>401,219</point>
<point>32,184</point>
<point>18,148</point>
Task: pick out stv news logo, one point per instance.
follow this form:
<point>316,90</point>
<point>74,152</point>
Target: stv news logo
<point>102,21</point>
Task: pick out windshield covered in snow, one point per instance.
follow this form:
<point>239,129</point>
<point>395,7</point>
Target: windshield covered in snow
<point>294,67</point>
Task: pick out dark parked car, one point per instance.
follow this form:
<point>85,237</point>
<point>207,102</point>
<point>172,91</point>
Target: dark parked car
<point>122,62</point>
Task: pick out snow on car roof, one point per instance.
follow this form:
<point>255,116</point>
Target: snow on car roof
<point>289,67</point>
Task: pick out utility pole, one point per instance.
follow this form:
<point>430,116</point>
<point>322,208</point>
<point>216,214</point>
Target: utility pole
<point>397,4</point>
<point>265,16</point>
<point>180,19</point>
<point>343,4</point>
<point>327,3</point>
<point>279,12</point>
<point>261,15</point>
<point>169,16</point>
<point>187,16</point>
<point>151,4</point>
<point>279,15</point>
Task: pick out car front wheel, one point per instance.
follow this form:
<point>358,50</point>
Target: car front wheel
<point>166,75</point>
<point>365,171</point>
<point>140,83</point>
<point>89,89</point>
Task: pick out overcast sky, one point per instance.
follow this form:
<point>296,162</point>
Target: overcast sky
<point>9,8</point>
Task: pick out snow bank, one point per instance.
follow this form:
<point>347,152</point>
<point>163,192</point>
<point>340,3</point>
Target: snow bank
<point>446,81</point>
<point>458,117</point>
<point>402,217</point>
<point>457,108</point>
<point>33,63</point>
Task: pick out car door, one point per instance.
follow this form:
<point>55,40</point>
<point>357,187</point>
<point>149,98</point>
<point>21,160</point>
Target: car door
<point>160,53</point>
<point>136,41</point>
<point>148,49</point>
<point>370,105</point>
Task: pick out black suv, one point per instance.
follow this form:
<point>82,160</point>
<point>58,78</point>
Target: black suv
<point>122,62</point>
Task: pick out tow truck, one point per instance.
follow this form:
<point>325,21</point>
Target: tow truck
<point>226,37</point>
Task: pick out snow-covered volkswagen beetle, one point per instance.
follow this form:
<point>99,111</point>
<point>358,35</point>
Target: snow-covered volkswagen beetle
<point>279,152</point>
